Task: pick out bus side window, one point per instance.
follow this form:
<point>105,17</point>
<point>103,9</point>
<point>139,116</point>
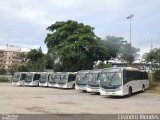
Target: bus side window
<point>36,77</point>
<point>125,79</point>
<point>146,75</point>
<point>22,76</point>
<point>71,77</point>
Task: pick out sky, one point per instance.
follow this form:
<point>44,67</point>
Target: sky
<point>23,22</point>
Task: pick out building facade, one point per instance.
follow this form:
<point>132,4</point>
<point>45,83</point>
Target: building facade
<point>9,56</point>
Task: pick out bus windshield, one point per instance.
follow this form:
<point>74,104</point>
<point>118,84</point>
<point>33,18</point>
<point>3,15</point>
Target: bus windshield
<point>110,80</point>
<point>29,77</point>
<point>16,77</point>
<point>81,79</point>
<point>63,79</point>
<point>44,77</point>
<point>54,78</point>
<point>93,79</point>
<point>23,75</point>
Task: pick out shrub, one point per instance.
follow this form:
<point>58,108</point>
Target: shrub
<point>157,75</point>
<point>4,79</point>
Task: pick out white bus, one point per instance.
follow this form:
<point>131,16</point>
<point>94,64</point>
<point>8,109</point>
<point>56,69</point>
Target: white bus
<point>122,81</point>
<point>32,79</point>
<point>93,80</point>
<point>19,78</point>
<point>66,80</point>
<point>81,81</point>
<point>55,76</point>
<point>44,79</point>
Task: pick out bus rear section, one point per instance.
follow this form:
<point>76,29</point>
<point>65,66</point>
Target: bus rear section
<point>67,80</point>
<point>81,81</point>
<point>93,80</point>
<point>19,79</point>
<point>55,76</point>
<point>32,79</point>
<point>122,81</point>
<point>44,79</point>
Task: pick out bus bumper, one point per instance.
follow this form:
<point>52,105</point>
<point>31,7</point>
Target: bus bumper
<point>92,89</point>
<point>116,93</point>
<point>43,84</point>
<point>80,88</point>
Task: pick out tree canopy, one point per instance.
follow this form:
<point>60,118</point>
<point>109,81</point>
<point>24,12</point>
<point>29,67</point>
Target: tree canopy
<point>128,53</point>
<point>114,44</point>
<point>153,56</point>
<point>36,60</point>
<point>74,46</point>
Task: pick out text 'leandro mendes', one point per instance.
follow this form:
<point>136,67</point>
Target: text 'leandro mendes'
<point>138,116</point>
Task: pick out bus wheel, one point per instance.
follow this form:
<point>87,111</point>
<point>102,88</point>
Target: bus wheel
<point>143,88</point>
<point>130,91</point>
<point>73,86</point>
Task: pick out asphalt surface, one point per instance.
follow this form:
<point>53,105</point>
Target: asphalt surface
<point>33,100</point>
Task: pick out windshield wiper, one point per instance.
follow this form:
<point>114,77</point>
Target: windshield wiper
<point>112,78</point>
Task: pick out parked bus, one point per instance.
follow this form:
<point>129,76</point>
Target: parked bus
<point>93,80</point>
<point>81,81</point>
<point>67,80</point>
<point>55,76</point>
<point>44,79</point>
<point>19,78</point>
<point>122,81</point>
<point>32,79</point>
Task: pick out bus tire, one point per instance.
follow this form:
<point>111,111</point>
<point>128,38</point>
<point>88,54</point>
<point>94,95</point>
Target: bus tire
<point>73,86</point>
<point>130,91</point>
<point>143,88</point>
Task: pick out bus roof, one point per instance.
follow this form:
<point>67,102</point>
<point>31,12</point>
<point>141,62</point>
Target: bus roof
<point>117,69</point>
<point>96,71</point>
<point>84,71</point>
<point>67,73</point>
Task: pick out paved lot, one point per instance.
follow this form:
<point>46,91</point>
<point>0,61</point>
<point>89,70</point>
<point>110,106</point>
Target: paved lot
<point>51,100</point>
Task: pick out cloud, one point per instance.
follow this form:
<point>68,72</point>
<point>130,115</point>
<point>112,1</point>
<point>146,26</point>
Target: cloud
<point>24,22</point>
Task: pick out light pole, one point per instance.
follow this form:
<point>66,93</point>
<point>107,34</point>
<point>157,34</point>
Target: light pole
<point>130,17</point>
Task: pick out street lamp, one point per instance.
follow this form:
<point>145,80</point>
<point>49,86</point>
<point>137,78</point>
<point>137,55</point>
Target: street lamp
<point>130,17</point>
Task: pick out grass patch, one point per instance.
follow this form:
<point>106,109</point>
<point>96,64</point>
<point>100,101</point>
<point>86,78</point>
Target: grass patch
<point>154,87</point>
<point>4,80</point>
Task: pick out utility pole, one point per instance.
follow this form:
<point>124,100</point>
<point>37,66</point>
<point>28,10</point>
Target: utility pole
<point>130,18</point>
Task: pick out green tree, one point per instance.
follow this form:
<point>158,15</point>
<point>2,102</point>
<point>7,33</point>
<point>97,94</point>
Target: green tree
<point>37,60</point>
<point>13,69</point>
<point>22,57</point>
<point>2,70</point>
<point>128,53</point>
<point>102,65</point>
<point>74,46</point>
<point>114,45</point>
<point>153,56</point>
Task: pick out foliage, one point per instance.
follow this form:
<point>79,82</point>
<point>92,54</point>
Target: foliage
<point>74,46</point>
<point>3,79</point>
<point>153,56</point>
<point>2,70</point>
<point>34,60</point>
<point>157,75</point>
<point>18,68</point>
<point>13,69</point>
<point>102,65</point>
<point>114,45</point>
<point>154,87</point>
<point>128,53</point>
<point>37,60</point>
<point>35,54</point>
<point>22,57</point>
